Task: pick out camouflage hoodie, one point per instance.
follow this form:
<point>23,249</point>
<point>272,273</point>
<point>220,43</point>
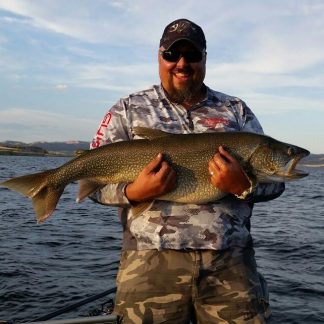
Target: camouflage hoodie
<point>167,225</point>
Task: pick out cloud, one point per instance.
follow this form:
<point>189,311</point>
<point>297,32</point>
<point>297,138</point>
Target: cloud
<point>113,18</point>
<point>269,37</point>
<point>253,76</point>
<point>120,78</point>
<point>268,53</point>
<point>29,125</point>
<point>61,87</point>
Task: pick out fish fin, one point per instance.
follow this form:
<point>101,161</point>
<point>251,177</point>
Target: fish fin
<point>45,202</point>
<point>140,208</point>
<point>35,186</point>
<point>28,185</point>
<point>149,133</point>
<point>86,188</point>
<point>80,152</point>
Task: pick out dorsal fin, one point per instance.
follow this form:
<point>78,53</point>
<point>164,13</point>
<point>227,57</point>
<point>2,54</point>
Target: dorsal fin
<point>149,133</point>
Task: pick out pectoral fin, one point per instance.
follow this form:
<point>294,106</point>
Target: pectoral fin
<point>86,188</point>
<point>140,208</point>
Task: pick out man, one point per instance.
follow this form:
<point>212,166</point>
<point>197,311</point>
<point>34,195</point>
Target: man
<point>185,262</point>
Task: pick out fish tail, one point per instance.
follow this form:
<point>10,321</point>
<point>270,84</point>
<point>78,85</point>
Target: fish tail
<point>35,186</point>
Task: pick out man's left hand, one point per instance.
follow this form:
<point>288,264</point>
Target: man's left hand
<point>227,174</point>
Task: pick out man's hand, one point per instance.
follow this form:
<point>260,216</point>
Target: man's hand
<point>156,179</point>
<point>227,174</point>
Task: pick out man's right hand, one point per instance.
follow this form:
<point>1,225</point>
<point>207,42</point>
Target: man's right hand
<point>156,179</point>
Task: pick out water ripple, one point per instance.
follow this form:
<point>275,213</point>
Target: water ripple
<point>75,254</point>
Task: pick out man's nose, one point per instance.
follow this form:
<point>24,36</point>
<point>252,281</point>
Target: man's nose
<point>182,61</point>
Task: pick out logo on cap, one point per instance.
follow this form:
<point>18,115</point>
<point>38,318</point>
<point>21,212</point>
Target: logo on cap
<point>183,29</point>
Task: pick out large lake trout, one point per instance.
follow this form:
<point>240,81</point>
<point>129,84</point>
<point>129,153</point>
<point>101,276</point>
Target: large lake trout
<point>263,158</point>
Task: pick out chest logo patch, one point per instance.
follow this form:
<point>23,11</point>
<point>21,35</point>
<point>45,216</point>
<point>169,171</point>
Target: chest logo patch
<point>215,122</point>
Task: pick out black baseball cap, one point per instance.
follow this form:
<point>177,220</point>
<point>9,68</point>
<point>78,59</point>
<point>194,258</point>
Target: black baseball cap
<point>183,29</point>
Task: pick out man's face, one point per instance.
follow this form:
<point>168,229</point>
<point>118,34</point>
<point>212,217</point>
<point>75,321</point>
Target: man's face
<point>182,80</point>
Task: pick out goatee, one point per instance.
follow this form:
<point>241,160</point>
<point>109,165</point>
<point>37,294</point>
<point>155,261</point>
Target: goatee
<point>185,94</point>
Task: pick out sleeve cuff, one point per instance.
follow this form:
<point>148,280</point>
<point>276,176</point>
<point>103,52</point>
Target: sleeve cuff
<point>113,195</point>
<point>248,193</point>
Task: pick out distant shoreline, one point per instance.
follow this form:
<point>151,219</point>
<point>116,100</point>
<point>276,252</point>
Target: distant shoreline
<point>49,154</point>
<point>313,165</point>
<point>52,149</point>
<point>26,151</point>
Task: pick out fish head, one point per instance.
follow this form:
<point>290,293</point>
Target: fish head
<point>275,161</point>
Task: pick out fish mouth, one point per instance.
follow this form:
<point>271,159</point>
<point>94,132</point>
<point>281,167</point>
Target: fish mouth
<point>290,169</point>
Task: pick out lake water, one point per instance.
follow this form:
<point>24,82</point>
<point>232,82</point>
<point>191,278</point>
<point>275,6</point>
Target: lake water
<point>75,253</point>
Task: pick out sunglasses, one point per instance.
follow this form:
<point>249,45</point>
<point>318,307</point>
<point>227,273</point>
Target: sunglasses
<point>189,56</point>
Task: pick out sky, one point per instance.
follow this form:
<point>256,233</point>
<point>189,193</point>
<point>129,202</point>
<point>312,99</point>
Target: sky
<point>63,64</point>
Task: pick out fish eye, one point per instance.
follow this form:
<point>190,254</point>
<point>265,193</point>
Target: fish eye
<point>290,151</point>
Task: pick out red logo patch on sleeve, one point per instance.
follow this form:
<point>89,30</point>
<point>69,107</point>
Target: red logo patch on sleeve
<point>100,133</point>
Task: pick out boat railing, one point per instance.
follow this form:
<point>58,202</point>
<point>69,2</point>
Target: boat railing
<point>108,319</point>
<point>105,316</point>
